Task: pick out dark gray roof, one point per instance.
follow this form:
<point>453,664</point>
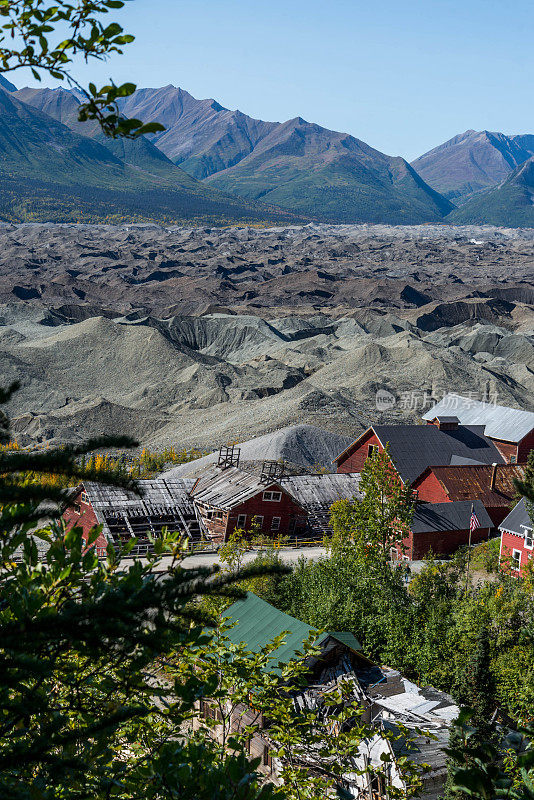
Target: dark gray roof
<point>459,461</point>
<point>322,490</point>
<point>501,422</point>
<point>413,448</point>
<point>435,517</point>
<point>517,520</point>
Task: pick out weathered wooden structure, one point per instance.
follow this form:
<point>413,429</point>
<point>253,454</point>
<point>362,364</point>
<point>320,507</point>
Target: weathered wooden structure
<point>386,699</point>
<point>317,493</point>
<point>226,498</point>
<point>442,528</point>
<point>124,514</point>
<point>413,448</point>
<point>491,484</point>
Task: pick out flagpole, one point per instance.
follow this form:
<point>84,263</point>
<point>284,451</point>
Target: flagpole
<point>469,549</point>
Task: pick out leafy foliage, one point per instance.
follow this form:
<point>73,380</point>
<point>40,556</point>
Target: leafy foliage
<point>488,770</point>
<point>431,628</point>
<point>31,35</point>
<point>84,708</point>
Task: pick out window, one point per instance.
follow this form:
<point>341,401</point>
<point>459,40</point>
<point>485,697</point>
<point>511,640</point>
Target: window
<point>266,757</point>
<point>372,450</point>
<point>273,497</point>
<point>275,523</point>
<point>516,559</point>
<point>513,459</point>
<point>258,520</point>
<point>85,498</point>
<point>207,710</point>
<point>76,508</point>
<point>529,538</point>
<point>241,520</point>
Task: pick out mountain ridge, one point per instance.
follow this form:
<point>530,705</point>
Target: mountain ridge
<point>473,162</point>
<point>50,172</point>
<point>342,179</point>
<point>509,204</point>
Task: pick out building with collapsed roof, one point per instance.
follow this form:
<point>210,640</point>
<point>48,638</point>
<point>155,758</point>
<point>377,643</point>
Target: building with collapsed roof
<point>124,514</point>
<point>510,429</point>
<point>317,493</point>
<point>227,498</point>
<point>386,698</point>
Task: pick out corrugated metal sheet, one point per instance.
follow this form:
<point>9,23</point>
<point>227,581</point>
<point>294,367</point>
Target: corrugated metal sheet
<point>257,623</point>
<point>501,422</point>
<point>413,448</point>
<point>463,482</point>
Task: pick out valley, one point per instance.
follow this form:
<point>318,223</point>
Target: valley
<point>201,336</point>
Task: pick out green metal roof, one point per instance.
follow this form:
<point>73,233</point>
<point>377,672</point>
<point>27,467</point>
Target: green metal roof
<point>258,622</point>
<point>348,639</point>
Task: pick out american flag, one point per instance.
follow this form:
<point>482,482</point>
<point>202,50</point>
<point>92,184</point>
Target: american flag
<point>473,522</point>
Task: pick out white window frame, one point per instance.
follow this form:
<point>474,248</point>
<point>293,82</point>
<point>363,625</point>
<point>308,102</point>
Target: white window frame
<point>516,561</point>
<point>84,498</point>
<point>241,521</point>
<point>278,523</point>
<point>529,538</point>
<point>513,459</point>
<point>269,496</point>
<point>258,520</point>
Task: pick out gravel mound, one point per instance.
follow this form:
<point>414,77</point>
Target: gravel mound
<point>300,445</point>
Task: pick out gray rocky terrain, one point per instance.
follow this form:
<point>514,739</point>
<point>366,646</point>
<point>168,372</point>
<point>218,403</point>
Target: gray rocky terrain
<point>198,337</point>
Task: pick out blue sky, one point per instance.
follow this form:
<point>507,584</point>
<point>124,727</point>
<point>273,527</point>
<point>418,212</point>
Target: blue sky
<point>402,76</point>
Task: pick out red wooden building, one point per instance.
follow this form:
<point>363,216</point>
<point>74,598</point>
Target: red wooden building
<point>413,448</point>
<point>442,528</point>
<point>227,498</point>
<point>82,515</point>
<point>517,538</point>
<point>491,484</point>
<point>511,429</point>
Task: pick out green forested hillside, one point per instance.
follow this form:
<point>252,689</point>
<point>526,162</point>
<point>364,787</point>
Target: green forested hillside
<point>511,204</point>
<point>50,173</point>
<point>305,168</point>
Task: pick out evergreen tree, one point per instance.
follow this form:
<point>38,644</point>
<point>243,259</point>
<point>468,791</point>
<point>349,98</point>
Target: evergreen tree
<point>86,708</point>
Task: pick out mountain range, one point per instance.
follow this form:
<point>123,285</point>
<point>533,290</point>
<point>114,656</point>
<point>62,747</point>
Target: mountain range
<point>473,162</point>
<point>216,164</point>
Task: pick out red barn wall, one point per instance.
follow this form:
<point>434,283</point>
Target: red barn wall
<point>353,461</point>
<point>506,449</point>
<point>85,519</point>
<point>511,541</point>
<point>524,447</point>
<point>442,543</point>
<point>292,516</point>
<point>430,489</point>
